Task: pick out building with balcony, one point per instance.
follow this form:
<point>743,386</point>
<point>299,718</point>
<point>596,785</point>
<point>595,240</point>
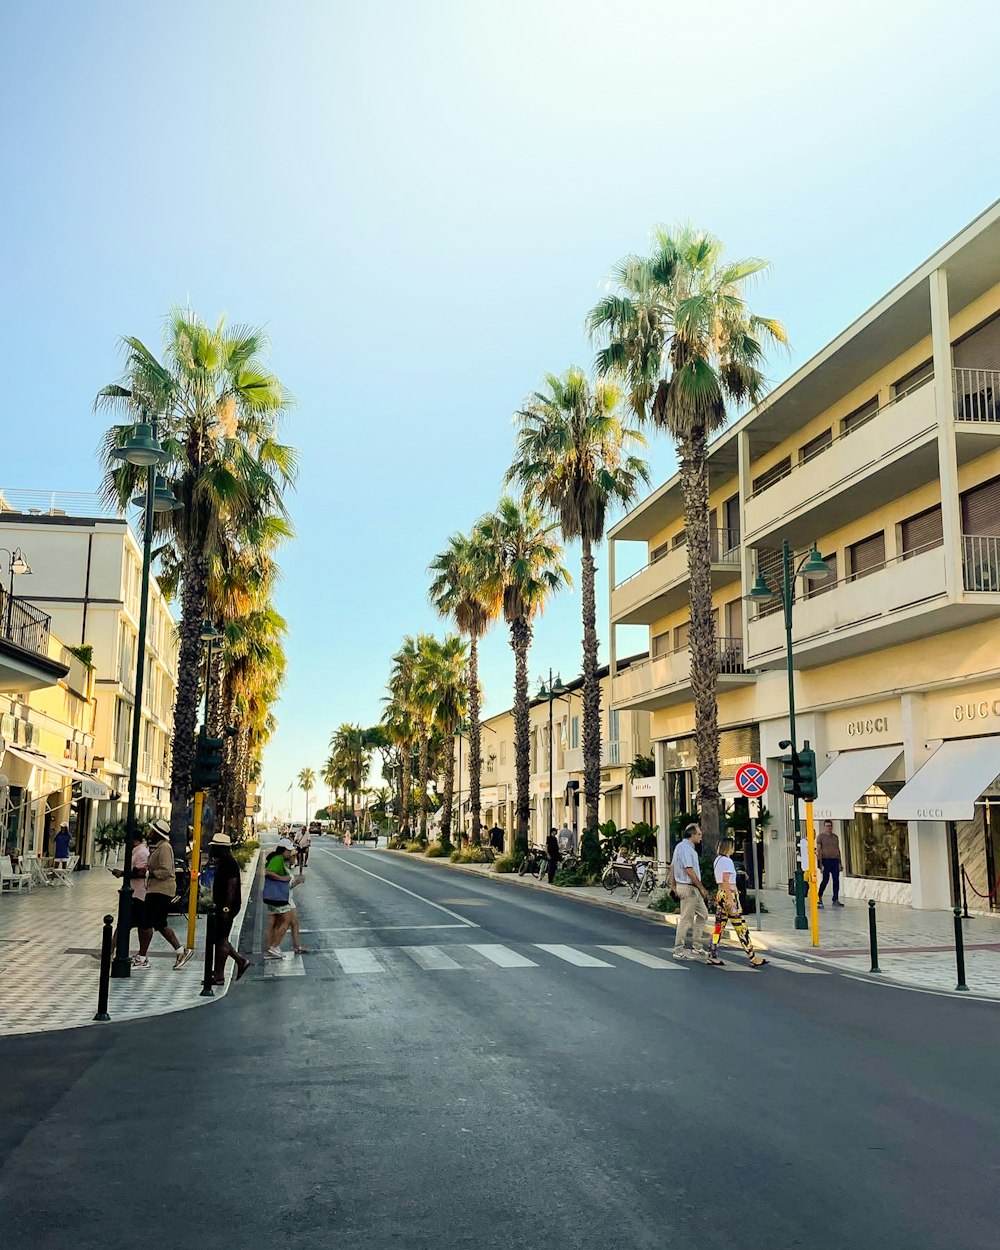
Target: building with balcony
<point>884,450</point>
<point>86,572</point>
<point>624,735</point>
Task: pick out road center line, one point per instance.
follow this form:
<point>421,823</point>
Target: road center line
<point>470,924</point>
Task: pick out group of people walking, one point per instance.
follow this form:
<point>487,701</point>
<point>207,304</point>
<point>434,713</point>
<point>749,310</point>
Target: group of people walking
<point>694,896</point>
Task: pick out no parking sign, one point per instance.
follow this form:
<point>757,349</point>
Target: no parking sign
<point>751,780</point>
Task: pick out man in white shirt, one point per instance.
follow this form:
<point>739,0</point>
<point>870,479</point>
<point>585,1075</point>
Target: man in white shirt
<point>686,871</point>
<point>567,838</point>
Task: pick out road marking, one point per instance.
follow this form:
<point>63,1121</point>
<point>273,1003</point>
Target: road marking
<point>789,966</point>
<point>357,959</point>
<point>471,924</point>
<point>380,928</point>
<point>641,957</point>
<point>290,966</point>
<point>431,958</point>
<point>503,956</point>
<point>573,956</point>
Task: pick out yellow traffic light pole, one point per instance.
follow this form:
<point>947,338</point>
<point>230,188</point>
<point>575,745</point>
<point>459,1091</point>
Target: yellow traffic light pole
<point>199,802</point>
<point>811,875</point>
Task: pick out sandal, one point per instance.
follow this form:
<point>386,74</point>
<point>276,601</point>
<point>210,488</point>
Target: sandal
<point>757,962</point>
<point>302,950</point>
<point>714,961</point>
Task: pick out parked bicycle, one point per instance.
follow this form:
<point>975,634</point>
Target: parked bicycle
<point>535,862</point>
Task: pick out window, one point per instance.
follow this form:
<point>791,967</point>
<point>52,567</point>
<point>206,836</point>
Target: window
<point>774,474</point>
<point>681,635</point>
<point>769,566</point>
<point>981,509</point>
<point>913,380</point>
<point>613,723</point>
<point>661,644</point>
<point>860,416</point>
<point>658,552</point>
<point>734,619</point>
<point>867,556</point>
<point>877,847</point>
<point>815,445</point>
<point>503,751</point>
<point>918,533</point>
<point>731,517</point>
<point>813,586</point>
<point>574,733</point>
<point>679,539</point>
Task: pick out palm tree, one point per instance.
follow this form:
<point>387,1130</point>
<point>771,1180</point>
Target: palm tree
<point>447,673</point>
<point>217,406</point>
<point>351,749</point>
<point>572,457</point>
<point>307,782</point>
<point>461,590</point>
<point>523,564</point>
<point>404,720</point>
<point>679,332</point>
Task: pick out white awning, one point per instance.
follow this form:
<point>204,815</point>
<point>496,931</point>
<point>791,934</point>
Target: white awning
<point>947,786</point>
<point>38,760</point>
<point>91,787</point>
<point>850,775</point>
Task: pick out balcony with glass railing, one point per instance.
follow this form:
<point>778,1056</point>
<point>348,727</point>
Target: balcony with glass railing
<point>661,586</point>
<point>666,679</point>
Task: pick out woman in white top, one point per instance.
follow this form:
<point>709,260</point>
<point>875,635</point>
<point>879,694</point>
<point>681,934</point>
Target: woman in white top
<point>727,907</point>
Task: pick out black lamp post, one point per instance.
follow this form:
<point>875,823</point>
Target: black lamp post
<point>552,691</point>
<point>18,565</point>
<point>811,565</point>
<point>142,450</point>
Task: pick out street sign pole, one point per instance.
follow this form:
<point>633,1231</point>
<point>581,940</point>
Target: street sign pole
<point>751,781</point>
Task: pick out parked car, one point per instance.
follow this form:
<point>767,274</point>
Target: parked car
<point>316,829</point>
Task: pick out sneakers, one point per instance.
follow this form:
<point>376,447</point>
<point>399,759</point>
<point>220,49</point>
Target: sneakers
<point>681,953</point>
<point>272,952</point>
<point>183,957</point>
<point>820,904</point>
<point>140,961</point>
<point>714,961</point>
<point>837,903</point>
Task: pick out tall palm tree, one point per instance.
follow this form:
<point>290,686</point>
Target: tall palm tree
<point>448,675</point>
<point>573,457</point>
<point>461,590</point>
<point>307,782</point>
<point>679,331</point>
<point>404,718</point>
<point>524,564</point>
<point>351,748</point>
<point>218,407</point>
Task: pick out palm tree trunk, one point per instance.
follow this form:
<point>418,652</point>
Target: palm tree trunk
<point>422,783</point>
<point>215,694</point>
<point>193,597</point>
<point>449,790</point>
<point>520,641</point>
<point>702,641</point>
<point>407,788</point>
<point>591,691</point>
<point>475,741</point>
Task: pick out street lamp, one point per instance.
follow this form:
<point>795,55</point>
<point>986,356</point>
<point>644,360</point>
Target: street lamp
<point>552,691</point>
<point>18,565</point>
<point>811,565</point>
<point>142,450</point>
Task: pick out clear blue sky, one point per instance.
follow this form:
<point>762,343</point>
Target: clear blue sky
<point>420,201</point>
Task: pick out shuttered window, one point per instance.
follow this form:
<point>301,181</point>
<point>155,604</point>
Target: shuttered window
<point>981,348</point>
<point>661,644</point>
<point>920,532</point>
<point>915,378</point>
<point>820,585</point>
<point>815,445</point>
<point>681,635</point>
<point>731,514</point>
<point>867,556</point>
<point>981,509</point>
<point>679,539</point>
<point>774,474</point>
<point>658,552</point>
<point>769,566</point>
<point>734,619</point>
<point>860,416</point>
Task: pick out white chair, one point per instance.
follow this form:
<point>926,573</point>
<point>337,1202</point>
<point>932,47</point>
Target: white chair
<point>36,869</point>
<point>11,880</point>
<point>64,876</point>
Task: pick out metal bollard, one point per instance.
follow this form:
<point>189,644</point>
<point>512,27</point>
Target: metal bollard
<point>104,983</point>
<point>206,985</point>
<point>959,950</point>
<point>873,936</point>
<point>965,899</point>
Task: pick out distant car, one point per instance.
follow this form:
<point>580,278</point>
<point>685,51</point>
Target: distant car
<point>316,828</point>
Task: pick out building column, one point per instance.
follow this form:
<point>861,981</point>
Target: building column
<point>930,868</point>
<point>612,649</point>
<point>951,516</point>
<point>662,813</point>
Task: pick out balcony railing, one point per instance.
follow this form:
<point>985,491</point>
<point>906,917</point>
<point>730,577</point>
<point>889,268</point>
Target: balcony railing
<point>976,394</point>
<point>724,548</point>
<point>981,562</point>
<point>23,624</point>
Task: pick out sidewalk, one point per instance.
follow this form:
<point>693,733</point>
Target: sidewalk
<point>50,943</point>
<point>916,949</point>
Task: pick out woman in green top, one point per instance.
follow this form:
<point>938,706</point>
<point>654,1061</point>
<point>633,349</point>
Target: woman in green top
<point>278,868</point>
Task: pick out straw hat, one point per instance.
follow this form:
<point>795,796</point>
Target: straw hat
<point>221,839</point>
<point>160,827</point>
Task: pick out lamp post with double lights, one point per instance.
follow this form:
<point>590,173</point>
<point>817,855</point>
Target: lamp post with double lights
<point>18,567</point>
<point>811,565</point>
<point>142,450</point>
<point>551,691</point>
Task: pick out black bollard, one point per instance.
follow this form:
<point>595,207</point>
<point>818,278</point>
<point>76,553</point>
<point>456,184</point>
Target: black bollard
<point>965,899</point>
<point>873,936</point>
<point>206,986</point>
<point>959,950</point>
<point>104,983</point>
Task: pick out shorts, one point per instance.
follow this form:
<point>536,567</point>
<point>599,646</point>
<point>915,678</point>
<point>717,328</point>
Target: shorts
<point>137,914</point>
<point>223,926</point>
<point>279,909</point>
<point>157,911</point>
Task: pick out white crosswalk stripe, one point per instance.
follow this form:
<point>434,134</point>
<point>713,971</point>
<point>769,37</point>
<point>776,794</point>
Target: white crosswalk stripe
<point>355,959</point>
<point>789,966</point>
<point>431,958</point>
<point>572,956</point>
<point>503,956</point>
<point>290,966</point>
<point>642,957</point>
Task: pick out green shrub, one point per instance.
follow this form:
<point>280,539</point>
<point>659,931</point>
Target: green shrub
<point>456,856</point>
<point>593,854</point>
<point>665,903</point>
<point>414,847</point>
<point>505,863</point>
<point>395,844</point>
<point>474,855</point>
<point>245,852</point>
<point>576,876</point>
<point>438,850</point>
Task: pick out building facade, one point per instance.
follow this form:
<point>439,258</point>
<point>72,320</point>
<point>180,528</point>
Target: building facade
<point>884,451</point>
<point>624,735</point>
<point>86,575</point>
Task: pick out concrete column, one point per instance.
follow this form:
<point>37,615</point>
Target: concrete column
<point>951,517</point>
<point>612,650</point>
<point>930,870</point>
<point>662,814</point>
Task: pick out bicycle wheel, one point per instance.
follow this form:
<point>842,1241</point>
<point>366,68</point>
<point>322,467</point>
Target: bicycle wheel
<point>610,880</point>
<point>522,867</point>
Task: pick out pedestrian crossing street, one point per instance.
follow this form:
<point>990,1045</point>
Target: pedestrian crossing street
<point>496,957</point>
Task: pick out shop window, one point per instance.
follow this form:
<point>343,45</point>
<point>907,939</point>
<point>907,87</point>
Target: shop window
<point>876,847</point>
<point>774,474</point>
<point>859,417</point>
<point>815,445</point>
<point>867,556</point>
<point>921,532</point>
<point>913,380</point>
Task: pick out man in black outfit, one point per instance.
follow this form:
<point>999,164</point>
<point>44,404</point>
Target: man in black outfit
<point>552,850</point>
<point>228,899</point>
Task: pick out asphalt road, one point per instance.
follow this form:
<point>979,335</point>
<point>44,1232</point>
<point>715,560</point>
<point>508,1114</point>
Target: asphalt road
<point>435,1078</point>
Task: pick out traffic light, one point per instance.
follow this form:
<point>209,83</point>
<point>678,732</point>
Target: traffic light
<point>789,765</point>
<point>207,771</point>
<point>798,773</point>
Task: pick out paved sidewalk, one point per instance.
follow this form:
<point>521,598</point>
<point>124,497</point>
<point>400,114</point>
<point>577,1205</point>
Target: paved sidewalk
<point>916,948</point>
<point>50,942</point>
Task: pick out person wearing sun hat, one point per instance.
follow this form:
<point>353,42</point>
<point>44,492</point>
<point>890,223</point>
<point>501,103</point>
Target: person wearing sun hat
<point>228,899</point>
<point>161,886</point>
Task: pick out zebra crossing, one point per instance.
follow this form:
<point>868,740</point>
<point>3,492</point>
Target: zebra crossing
<point>499,957</point>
